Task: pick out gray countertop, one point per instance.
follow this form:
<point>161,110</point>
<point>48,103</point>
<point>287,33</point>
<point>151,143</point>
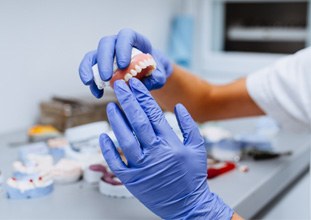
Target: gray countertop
<point>247,193</point>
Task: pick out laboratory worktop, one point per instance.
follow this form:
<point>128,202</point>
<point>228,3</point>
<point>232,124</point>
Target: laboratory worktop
<point>247,193</point>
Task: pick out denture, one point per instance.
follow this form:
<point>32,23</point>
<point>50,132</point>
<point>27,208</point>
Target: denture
<point>142,65</point>
<point>108,183</point>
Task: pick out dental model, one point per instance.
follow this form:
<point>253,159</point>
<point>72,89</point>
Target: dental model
<point>36,164</point>
<point>57,147</point>
<point>39,148</point>
<point>66,171</point>
<point>83,143</point>
<point>109,184</point>
<point>140,67</point>
<point>28,188</point>
<point>93,173</point>
<point>215,134</point>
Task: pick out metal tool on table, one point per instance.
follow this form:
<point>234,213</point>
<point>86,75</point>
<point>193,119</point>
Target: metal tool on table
<point>257,154</point>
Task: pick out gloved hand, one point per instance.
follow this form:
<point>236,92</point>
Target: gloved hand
<point>121,46</point>
<point>166,175</point>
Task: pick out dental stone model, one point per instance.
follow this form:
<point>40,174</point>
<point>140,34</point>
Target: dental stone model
<point>36,164</point>
<point>109,184</point>
<point>39,148</point>
<point>57,147</point>
<point>140,67</point>
<point>83,143</point>
<point>94,173</point>
<point>66,171</point>
<point>30,187</point>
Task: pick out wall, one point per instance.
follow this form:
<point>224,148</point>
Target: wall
<point>42,43</point>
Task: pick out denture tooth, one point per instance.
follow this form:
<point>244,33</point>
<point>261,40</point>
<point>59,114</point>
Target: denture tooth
<point>146,63</point>
<point>133,72</point>
<point>142,64</point>
<point>138,69</point>
<point>127,77</point>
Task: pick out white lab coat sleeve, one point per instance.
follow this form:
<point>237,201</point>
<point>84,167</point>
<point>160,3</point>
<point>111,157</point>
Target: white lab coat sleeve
<point>283,90</point>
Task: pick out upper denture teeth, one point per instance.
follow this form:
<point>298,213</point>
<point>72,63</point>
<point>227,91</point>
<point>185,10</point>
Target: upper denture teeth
<point>142,65</point>
<point>137,68</point>
<point>127,77</point>
<point>133,72</point>
<point>146,62</point>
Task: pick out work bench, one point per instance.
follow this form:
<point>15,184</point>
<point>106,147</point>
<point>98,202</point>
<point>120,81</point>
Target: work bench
<point>247,193</point>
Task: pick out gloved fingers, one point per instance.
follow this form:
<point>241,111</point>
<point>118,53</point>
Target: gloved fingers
<point>111,154</point>
<point>158,77</point>
<point>135,114</point>
<point>105,57</point>
<point>188,127</point>
<point>126,40</point>
<point>166,64</point>
<point>85,68</point>
<point>156,80</point>
<point>123,132</point>
<point>98,93</point>
<point>151,108</point>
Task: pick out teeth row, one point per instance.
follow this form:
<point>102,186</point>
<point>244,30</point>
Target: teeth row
<point>139,67</point>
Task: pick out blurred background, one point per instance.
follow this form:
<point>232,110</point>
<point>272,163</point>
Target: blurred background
<point>43,42</point>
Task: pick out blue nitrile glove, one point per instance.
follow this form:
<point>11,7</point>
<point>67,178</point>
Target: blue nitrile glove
<point>166,175</point>
<point>121,46</point>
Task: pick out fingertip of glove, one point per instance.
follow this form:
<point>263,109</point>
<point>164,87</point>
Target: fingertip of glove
<point>182,113</point>
<point>97,93</point>
<point>86,80</point>
<point>111,108</point>
<point>104,142</point>
<point>152,83</point>
<point>135,83</point>
<point>103,137</point>
<point>180,108</point>
<point>123,62</point>
<point>118,84</point>
<point>105,75</point>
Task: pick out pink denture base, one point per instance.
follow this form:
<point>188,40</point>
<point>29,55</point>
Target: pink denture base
<point>140,67</point>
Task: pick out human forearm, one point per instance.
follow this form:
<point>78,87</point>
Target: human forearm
<point>236,217</point>
<point>183,87</point>
<point>204,100</point>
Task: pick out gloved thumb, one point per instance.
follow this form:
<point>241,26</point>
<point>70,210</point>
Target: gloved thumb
<point>188,127</point>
